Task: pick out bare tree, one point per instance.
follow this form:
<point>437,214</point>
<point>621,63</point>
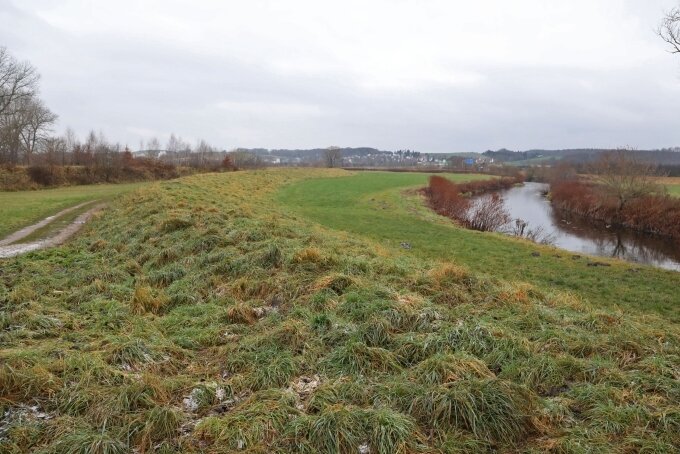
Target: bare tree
<point>18,81</point>
<point>153,147</point>
<point>242,159</point>
<point>107,158</point>
<point>70,143</point>
<point>669,30</point>
<point>178,150</point>
<point>201,154</point>
<point>37,122</point>
<point>54,150</point>
<point>333,156</point>
<point>625,177</point>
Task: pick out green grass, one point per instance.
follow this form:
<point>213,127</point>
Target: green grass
<point>56,225</point>
<point>673,189</point>
<point>200,316</point>
<point>374,205</point>
<point>22,208</point>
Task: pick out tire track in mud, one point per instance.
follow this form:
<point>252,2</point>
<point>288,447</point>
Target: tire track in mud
<point>26,231</point>
<point>9,247</point>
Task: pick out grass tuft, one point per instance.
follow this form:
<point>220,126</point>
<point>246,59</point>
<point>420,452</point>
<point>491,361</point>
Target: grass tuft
<point>143,301</point>
<point>241,313</point>
<point>358,358</point>
<point>491,409</point>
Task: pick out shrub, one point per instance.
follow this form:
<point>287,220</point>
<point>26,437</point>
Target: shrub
<point>653,214</point>
<point>46,175</point>
<point>485,213</point>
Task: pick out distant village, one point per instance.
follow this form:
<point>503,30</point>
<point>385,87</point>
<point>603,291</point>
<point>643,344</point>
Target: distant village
<point>370,157</point>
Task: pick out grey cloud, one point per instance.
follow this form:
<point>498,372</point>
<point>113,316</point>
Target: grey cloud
<point>131,88</point>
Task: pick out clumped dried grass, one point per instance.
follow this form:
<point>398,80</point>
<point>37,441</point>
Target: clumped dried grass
<point>144,301</point>
<point>241,313</point>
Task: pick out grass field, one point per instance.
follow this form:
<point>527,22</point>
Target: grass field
<point>200,316</point>
<point>672,184</point>
<point>373,205</point>
<point>22,208</point>
<point>674,189</point>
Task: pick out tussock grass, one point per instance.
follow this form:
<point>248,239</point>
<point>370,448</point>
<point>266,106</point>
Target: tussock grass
<point>159,423</point>
<point>256,421</point>
<point>89,442</point>
<point>359,358</point>
<point>445,368</point>
<point>210,320</point>
<point>143,301</point>
<point>492,409</point>
<point>241,313</point>
<point>175,223</point>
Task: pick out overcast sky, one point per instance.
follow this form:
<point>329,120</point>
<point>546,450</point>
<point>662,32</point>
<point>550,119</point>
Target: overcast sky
<point>435,76</point>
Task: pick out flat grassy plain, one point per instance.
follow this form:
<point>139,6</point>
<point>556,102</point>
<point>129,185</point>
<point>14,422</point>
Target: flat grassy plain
<point>201,316</point>
<point>384,207</point>
<point>673,185</point>
<point>21,208</point>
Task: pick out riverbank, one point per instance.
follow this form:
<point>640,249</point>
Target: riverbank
<point>387,208</point>
<point>655,214</point>
<point>581,237</point>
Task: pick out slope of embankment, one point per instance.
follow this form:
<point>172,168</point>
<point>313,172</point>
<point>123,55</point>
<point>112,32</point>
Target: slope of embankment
<point>198,316</point>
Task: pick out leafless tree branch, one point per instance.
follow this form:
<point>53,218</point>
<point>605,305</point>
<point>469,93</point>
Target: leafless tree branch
<point>669,30</point>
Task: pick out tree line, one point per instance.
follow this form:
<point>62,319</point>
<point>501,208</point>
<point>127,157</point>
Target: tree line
<point>32,155</point>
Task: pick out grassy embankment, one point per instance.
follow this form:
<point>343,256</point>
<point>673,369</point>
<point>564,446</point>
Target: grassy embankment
<point>22,208</point>
<point>200,316</point>
<point>374,205</point>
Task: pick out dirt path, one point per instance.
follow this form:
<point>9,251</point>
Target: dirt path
<point>23,233</point>
<point>12,250</point>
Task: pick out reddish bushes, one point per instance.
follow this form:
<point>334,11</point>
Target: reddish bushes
<point>452,200</point>
<point>446,198</point>
<point>484,186</point>
<point>655,214</point>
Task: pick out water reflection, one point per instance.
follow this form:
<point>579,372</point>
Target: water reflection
<point>528,203</point>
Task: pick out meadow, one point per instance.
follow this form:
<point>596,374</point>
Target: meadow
<point>21,208</point>
<point>200,315</point>
<point>385,207</point>
<point>672,185</point>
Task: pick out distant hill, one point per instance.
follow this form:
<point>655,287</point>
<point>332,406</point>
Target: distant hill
<point>663,157</point>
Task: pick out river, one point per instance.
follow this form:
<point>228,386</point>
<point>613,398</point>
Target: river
<point>528,203</point>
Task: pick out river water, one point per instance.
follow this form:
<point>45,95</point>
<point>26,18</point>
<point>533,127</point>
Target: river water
<point>528,203</point>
